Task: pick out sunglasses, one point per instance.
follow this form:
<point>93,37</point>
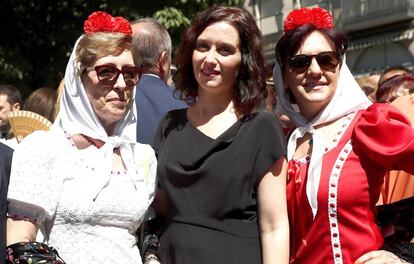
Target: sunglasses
<point>327,61</point>
<point>108,74</point>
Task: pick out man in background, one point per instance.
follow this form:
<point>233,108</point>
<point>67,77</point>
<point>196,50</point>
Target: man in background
<point>370,85</point>
<point>153,96</point>
<point>10,100</point>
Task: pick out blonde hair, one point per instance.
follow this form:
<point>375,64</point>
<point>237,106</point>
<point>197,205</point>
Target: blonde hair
<point>100,44</point>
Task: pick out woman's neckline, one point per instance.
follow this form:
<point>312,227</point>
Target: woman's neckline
<point>343,125</point>
<point>204,123</point>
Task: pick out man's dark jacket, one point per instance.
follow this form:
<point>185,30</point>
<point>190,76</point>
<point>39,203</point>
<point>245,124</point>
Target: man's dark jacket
<point>154,98</point>
<point>5,164</point>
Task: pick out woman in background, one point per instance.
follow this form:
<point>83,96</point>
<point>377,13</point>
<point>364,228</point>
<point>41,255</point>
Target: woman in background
<point>395,87</point>
<point>396,203</point>
<point>42,101</point>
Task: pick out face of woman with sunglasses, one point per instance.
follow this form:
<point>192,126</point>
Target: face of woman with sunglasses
<point>314,86</point>
<point>110,99</point>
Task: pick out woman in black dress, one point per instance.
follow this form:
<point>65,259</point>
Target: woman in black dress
<point>222,164</point>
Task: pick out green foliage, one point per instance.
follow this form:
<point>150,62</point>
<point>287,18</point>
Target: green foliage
<point>38,35</point>
<point>171,18</point>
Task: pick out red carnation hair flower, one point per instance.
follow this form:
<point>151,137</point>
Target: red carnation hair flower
<point>317,16</point>
<point>101,21</point>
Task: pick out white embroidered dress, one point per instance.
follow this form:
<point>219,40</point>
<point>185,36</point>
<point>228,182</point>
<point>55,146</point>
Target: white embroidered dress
<point>52,179</point>
<point>86,211</point>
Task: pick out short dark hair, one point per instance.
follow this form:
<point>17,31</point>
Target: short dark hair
<point>291,41</point>
<point>13,94</point>
<point>386,92</point>
<point>251,79</point>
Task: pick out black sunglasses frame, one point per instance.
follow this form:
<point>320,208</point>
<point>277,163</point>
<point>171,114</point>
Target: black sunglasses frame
<point>302,66</point>
<point>112,81</point>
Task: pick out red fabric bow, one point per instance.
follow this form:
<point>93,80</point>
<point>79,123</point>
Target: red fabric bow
<point>317,16</point>
<point>101,21</point>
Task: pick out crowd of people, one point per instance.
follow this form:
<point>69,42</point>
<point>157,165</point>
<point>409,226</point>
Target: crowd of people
<point>323,174</point>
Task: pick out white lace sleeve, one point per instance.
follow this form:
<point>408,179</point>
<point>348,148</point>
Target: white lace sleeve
<point>34,188</point>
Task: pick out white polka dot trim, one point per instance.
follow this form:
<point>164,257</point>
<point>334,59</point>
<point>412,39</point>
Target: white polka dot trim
<point>343,127</point>
<point>333,202</point>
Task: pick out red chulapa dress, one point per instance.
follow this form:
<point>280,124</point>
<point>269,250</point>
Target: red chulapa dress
<point>369,143</point>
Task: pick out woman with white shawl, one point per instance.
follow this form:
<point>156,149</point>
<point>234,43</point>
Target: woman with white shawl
<point>85,184</point>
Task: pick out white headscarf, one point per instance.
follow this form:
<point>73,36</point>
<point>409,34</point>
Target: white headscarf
<point>76,116</point>
<point>348,98</point>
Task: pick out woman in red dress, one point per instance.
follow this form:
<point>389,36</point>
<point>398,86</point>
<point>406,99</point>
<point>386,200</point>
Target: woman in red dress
<point>341,149</point>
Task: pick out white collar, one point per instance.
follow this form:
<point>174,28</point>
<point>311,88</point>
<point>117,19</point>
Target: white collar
<point>152,74</point>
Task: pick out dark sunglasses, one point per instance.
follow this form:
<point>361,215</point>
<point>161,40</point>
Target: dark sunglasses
<point>108,74</point>
<point>327,61</point>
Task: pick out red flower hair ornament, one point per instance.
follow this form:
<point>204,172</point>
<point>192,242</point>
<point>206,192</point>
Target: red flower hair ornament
<point>101,21</point>
<point>317,16</point>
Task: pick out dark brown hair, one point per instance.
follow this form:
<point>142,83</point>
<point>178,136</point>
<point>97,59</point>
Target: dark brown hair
<point>291,41</point>
<point>13,94</point>
<point>387,91</point>
<point>42,101</point>
<point>392,71</point>
<point>251,79</point>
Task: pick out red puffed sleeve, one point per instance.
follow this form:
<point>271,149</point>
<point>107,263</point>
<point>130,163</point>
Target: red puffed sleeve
<point>385,135</point>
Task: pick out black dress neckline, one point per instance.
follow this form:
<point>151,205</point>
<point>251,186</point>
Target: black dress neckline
<point>227,135</point>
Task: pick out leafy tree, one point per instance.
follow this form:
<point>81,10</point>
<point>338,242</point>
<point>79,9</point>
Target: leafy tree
<point>38,35</point>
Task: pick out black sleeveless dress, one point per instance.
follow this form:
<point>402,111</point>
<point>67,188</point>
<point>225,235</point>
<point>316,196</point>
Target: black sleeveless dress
<point>210,186</point>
